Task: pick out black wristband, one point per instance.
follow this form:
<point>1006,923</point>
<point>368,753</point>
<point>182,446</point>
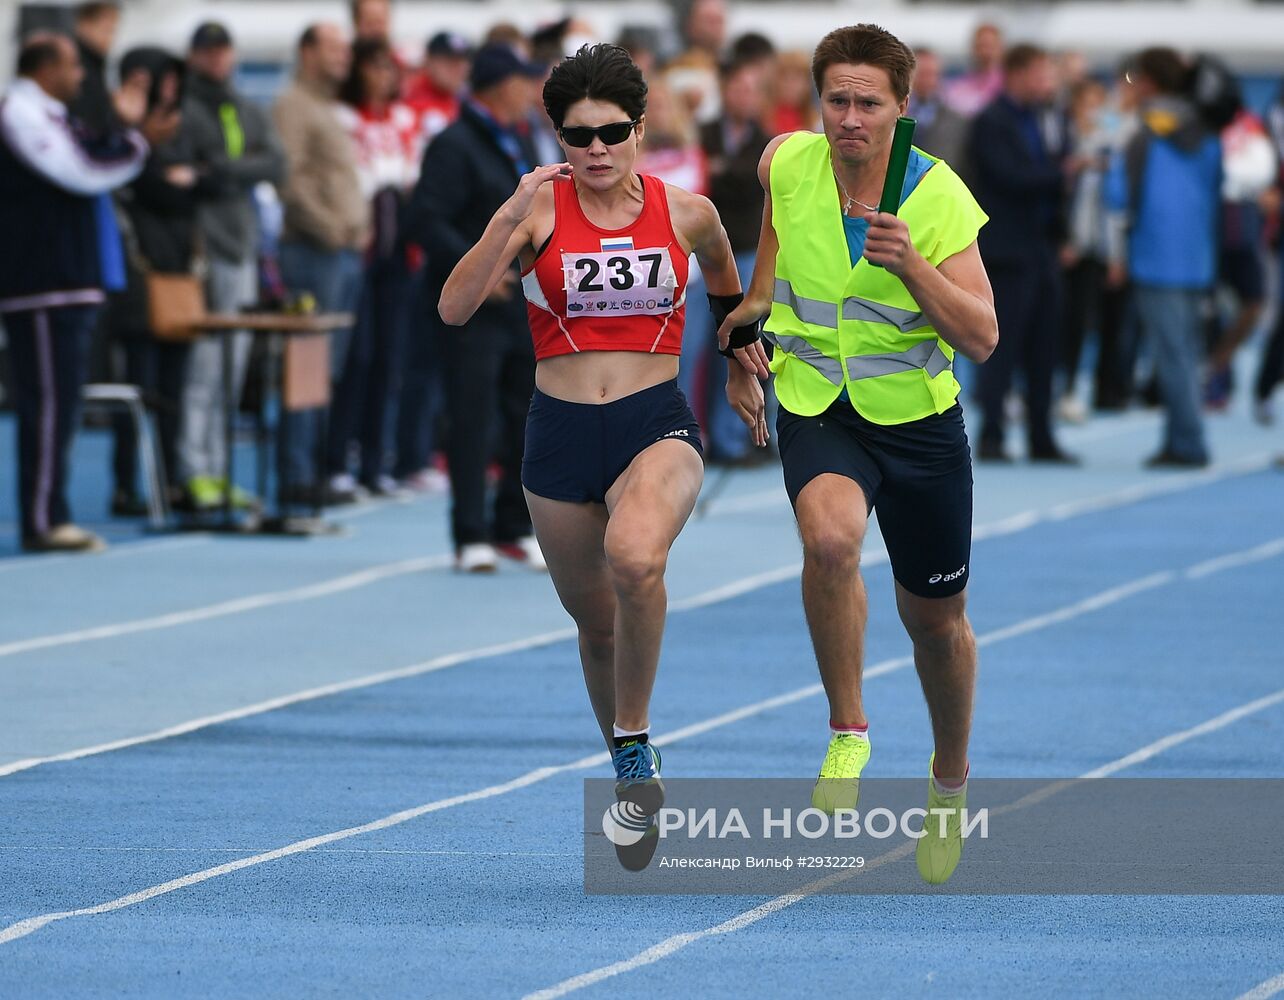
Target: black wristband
<point>741,336</point>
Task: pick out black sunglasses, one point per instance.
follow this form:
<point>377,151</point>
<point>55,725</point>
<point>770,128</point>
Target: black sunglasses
<point>582,136</point>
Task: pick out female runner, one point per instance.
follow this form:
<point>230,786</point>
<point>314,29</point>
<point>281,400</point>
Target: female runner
<point>613,461</point>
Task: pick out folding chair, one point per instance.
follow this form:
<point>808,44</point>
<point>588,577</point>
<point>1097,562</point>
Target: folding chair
<point>130,399</point>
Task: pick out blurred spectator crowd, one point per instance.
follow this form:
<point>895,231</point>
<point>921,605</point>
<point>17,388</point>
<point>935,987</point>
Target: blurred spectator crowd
<point>1133,220</point>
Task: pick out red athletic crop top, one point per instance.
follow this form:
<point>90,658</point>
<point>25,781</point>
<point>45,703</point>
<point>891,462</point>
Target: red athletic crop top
<point>594,289</point>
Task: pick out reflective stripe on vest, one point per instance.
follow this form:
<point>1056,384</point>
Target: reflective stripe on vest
<point>927,355</point>
<point>804,352</point>
<point>818,312</point>
<point>815,312</point>
<point>868,311</point>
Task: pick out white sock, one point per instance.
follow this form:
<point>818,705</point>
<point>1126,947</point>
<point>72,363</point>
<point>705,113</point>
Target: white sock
<point>617,732</point>
<point>943,789</point>
<point>861,732</point>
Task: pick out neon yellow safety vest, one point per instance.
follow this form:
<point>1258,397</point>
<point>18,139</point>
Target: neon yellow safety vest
<point>836,326</point>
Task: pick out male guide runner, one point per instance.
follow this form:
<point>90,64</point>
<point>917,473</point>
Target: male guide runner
<point>866,310</point>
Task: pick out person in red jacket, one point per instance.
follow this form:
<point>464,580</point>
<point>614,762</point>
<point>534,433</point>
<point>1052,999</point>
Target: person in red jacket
<point>434,91</point>
<point>385,135</point>
<point>613,461</point>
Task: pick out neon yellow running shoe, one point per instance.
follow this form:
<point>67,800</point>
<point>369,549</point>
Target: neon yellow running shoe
<point>838,785</point>
<point>206,492</point>
<point>241,499</point>
<point>941,846</point>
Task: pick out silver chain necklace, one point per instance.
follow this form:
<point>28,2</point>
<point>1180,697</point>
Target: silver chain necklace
<point>852,201</point>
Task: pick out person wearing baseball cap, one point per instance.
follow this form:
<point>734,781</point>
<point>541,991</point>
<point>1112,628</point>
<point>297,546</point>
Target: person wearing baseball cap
<point>496,64</point>
<point>209,36</point>
<point>450,43</point>
<point>233,147</point>
<point>435,90</point>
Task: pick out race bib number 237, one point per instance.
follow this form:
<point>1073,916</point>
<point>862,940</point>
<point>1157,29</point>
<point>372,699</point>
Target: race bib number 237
<point>624,282</point>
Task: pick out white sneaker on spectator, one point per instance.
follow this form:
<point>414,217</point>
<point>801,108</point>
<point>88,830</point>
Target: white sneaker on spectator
<point>65,538</point>
<point>1071,410</point>
<point>388,488</point>
<point>430,481</point>
<point>524,550</point>
<point>477,558</point>
<point>344,489</point>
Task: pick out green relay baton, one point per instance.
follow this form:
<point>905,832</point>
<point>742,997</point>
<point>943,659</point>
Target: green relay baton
<point>897,163</point>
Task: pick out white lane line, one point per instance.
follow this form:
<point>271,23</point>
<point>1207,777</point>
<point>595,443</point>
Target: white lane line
<point>254,602</point>
<point>548,638</point>
<point>1266,551</point>
<point>776,497</point>
<point>184,540</point>
<point>1005,526</point>
<point>677,942</point>
<point>428,666</point>
<point>1089,604</point>
<point>737,588</point>
<point>1212,725</point>
<point>65,849</point>
<point>32,924</point>
<point>758,500</point>
<point>364,508</point>
<point>1106,429</point>
<point>142,547</point>
<point>239,605</point>
<point>672,945</point>
<point>1010,525</point>
<point>1266,990</point>
<point>1163,485</point>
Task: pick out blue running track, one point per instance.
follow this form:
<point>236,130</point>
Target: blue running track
<point>1115,609</point>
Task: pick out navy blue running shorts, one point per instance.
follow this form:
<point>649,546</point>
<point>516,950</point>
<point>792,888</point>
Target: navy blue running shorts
<point>917,476</point>
<point>576,451</point>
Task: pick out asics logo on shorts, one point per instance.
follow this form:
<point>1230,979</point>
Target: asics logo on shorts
<point>948,577</point>
<point>682,433</point>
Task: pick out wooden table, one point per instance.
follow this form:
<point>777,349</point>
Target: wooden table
<point>306,386</point>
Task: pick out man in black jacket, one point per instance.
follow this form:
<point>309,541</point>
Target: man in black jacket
<point>1016,158</point>
<point>50,272</point>
<point>471,169</point>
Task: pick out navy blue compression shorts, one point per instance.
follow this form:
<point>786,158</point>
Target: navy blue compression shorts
<point>917,476</point>
<point>576,451</point>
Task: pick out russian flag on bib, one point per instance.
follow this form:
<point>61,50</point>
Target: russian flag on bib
<point>616,243</point>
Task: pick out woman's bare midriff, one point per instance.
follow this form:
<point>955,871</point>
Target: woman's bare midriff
<point>603,376</point>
